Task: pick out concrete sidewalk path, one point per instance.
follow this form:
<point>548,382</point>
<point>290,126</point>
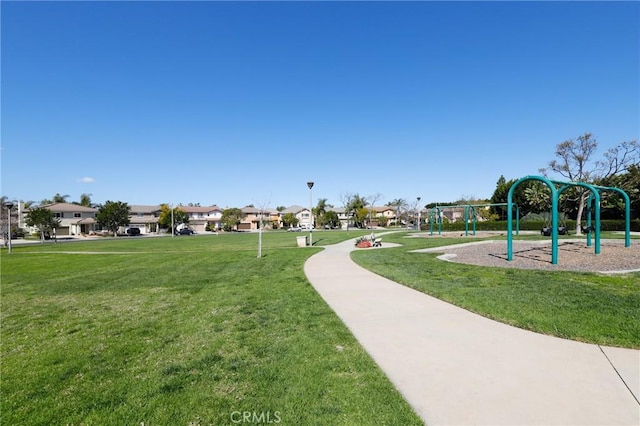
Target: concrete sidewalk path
<point>458,368</point>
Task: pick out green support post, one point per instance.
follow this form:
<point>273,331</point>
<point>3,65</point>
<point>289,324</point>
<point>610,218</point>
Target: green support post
<point>554,216</point>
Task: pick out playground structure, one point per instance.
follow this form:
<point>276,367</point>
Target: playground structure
<point>468,208</point>
<point>594,198</point>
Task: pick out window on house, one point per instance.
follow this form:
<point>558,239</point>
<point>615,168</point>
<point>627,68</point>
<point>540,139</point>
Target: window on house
<point>59,215</point>
<point>77,215</point>
<point>140,215</point>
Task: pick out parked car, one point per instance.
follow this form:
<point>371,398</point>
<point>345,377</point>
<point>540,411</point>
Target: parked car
<point>294,229</point>
<point>185,231</point>
<point>133,231</point>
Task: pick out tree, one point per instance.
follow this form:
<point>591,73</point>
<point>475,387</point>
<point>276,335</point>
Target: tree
<point>357,205</point>
<point>382,220</point>
<point>398,203</point>
<point>320,211</point>
<point>538,197</point>
<point>60,198</point>
<point>346,198</point>
<point>613,203</point>
<point>331,219</point>
<point>231,218</point>
<point>112,215</point>
<point>500,197</point>
<point>575,162</point>
<point>85,200</point>
<point>373,199</point>
<point>165,219</point>
<point>360,219</point>
<point>43,219</point>
<point>289,219</point>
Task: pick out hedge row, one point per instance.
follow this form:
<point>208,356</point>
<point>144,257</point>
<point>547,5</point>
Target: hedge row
<point>533,225</point>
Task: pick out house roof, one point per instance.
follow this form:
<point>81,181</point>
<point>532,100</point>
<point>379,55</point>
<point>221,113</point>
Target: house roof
<point>144,209</point>
<point>86,221</point>
<point>199,209</point>
<point>251,210</point>
<point>384,209</point>
<point>67,207</point>
<point>294,209</point>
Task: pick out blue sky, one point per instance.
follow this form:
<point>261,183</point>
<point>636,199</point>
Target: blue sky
<point>237,103</point>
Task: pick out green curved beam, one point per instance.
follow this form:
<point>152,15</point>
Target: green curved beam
<point>596,195</point>
<point>431,213</point>
<point>554,216</point>
<point>627,211</point>
<point>466,219</point>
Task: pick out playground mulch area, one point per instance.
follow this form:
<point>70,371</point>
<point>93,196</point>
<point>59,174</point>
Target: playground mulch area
<point>573,255</point>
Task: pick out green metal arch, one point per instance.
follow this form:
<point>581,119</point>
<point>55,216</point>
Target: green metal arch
<point>435,210</point>
<point>554,216</point>
<point>473,207</point>
<point>595,194</point>
<point>627,213</point>
<point>555,194</point>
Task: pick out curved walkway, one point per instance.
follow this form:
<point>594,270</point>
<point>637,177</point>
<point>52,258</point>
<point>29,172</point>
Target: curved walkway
<point>458,368</point>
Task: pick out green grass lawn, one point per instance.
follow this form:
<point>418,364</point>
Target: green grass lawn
<point>581,306</point>
<point>181,331</point>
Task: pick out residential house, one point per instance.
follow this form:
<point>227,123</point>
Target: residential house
<point>74,219</point>
<point>252,217</point>
<point>301,213</point>
<point>344,217</point>
<point>201,218</point>
<point>144,218</point>
<point>454,214</point>
<point>388,212</point>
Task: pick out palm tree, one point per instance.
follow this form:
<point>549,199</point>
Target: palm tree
<point>538,196</point>
<point>397,203</point>
<point>357,204</point>
<point>60,198</point>
<point>320,210</point>
<point>85,200</point>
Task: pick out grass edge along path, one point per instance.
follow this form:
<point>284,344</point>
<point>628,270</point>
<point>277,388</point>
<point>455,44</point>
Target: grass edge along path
<point>194,331</point>
<point>587,307</point>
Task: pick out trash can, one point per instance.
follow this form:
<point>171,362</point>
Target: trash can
<point>302,241</point>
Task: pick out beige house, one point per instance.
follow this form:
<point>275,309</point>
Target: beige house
<point>252,217</point>
<point>200,217</point>
<point>145,218</point>
<point>74,219</point>
<point>388,212</point>
<point>301,213</point>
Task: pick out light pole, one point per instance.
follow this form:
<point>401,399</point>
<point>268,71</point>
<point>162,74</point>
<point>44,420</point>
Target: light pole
<point>9,206</point>
<point>310,185</point>
<point>173,231</point>
<point>418,213</point>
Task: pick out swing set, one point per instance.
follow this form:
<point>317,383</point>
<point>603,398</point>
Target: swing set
<point>435,215</point>
<point>557,188</point>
